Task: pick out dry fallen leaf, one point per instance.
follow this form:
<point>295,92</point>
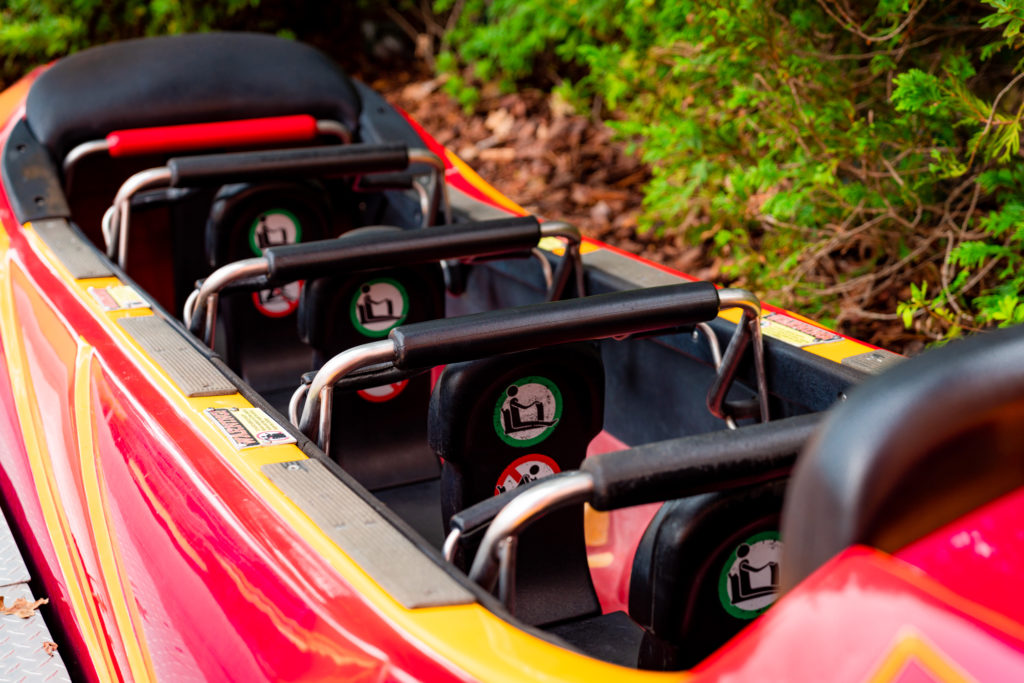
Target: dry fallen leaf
<point>22,607</point>
<point>49,647</point>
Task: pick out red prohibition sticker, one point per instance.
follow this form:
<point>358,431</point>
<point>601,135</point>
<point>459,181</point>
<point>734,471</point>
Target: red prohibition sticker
<point>383,393</point>
<point>279,301</point>
<point>524,470</point>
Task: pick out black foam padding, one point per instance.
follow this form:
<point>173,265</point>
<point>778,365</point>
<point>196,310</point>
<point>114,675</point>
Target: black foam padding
<point>468,431</point>
<point>285,164</point>
<point>381,444</point>
<point>266,350</point>
<point>465,421</point>
<point>911,450</point>
<point>480,514</point>
<point>674,589</point>
<point>698,464</point>
<point>30,179</point>
<point>559,322</point>
<point>184,79</point>
<point>376,249</point>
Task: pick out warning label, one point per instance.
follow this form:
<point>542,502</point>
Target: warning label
<point>118,298</point>
<point>796,332</point>
<point>273,228</point>
<point>248,427</point>
<point>749,582</point>
<point>383,393</point>
<point>524,470</point>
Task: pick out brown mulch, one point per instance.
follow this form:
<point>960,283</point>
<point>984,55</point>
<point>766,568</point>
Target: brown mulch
<point>560,165</point>
<point>555,163</point>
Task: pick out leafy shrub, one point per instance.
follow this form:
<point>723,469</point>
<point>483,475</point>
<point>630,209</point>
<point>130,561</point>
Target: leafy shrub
<point>856,160</point>
<point>36,31</point>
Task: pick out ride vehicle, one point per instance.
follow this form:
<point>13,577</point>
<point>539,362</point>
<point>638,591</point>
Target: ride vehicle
<point>288,392</point>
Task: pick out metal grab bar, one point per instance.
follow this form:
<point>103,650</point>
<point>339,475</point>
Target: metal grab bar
<point>495,560</point>
<point>115,222</point>
<point>203,300</point>
<point>317,400</point>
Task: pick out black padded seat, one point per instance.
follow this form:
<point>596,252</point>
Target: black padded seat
<point>910,451</point>
<point>705,567</point>
<point>184,79</point>
<point>380,433</point>
<point>500,422</point>
<point>257,332</point>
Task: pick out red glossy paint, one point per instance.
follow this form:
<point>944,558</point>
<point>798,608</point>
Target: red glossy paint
<point>224,587</point>
<point>196,136</point>
<point>842,622</point>
<point>979,556</point>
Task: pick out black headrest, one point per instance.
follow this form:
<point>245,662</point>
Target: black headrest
<point>481,414</point>
<point>184,79</point>
<point>911,450</point>
<point>690,587</point>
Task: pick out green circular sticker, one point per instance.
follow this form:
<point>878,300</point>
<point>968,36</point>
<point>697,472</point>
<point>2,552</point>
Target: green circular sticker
<point>527,411</point>
<point>272,228</point>
<point>749,582</point>
<point>378,306</point>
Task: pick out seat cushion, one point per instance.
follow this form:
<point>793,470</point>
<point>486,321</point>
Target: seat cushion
<point>184,79</point>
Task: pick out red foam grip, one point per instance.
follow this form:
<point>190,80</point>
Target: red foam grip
<point>195,136</point>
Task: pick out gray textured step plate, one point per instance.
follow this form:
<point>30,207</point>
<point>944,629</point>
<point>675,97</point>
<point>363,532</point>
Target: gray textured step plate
<point>634,274</point>
<point>12,567</point>
<point>77,256</point>
<point>194,374</point>
<point>22,653</point>
<point>874,362</point>
<point>409,576</point>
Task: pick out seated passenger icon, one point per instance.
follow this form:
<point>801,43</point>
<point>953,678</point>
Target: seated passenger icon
<point>371,310</point>
<point>517,416</point>
<point>749,581</point>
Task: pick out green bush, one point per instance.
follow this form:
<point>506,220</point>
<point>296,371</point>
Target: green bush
<point>842,156</point>
<point>33,32</point>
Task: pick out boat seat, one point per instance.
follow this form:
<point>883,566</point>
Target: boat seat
<point>184,79</point>
<point>911,450</point>
<point>705,566</point>
<point>503,421</point>
<point>257,332</point>
<point>381,432</point>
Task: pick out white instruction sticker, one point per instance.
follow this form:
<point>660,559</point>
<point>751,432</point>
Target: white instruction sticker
<point>248,427</point>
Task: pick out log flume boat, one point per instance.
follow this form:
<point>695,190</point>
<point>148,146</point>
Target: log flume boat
<point>288,392</point>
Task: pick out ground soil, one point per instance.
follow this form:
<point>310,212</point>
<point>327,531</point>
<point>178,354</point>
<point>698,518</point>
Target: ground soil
<point>560,165</point>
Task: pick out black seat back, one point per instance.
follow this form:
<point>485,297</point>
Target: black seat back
<point>911,450</point>
<point>499,422</point>
<point>380,433</point>
<point>705,567</point>
<point>257,333</point>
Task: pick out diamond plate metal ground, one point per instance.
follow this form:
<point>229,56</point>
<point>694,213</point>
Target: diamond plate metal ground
<point>12,568</point>
<point>22,657</point>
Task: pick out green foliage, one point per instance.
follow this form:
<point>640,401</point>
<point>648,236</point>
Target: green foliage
<point>827,151</point>
<point>36,31</point>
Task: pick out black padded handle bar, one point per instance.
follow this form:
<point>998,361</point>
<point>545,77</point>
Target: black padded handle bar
<point>282,164</point>
<point>438,342</point>
<point>676,468</point>
<point>369,250</point>
<point>698,464</point>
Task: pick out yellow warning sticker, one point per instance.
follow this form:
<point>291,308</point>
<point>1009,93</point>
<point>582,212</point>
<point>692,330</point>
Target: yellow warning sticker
<point>248,427</point>
<point>796,332</point>
<point>118,298</point>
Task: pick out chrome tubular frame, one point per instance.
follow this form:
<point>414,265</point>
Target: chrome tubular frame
<point>748,329</point>
<point>116,218</point>
<point>552,493</point>
<point>203,301</point>
<point>572,261</point>
<point>79,152</point>
<point>315,420</point>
